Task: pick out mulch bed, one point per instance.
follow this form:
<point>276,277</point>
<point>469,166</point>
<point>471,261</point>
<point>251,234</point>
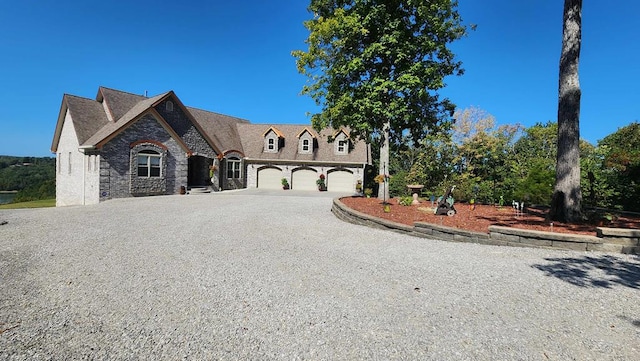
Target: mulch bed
<point>480,218</point>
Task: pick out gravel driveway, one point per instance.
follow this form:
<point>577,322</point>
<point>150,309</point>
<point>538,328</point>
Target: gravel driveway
<point>251,276</point>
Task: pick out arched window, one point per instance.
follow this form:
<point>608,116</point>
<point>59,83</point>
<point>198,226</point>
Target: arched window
<point>169,106</point>
<point>234,168</point>
<point>149,164</point>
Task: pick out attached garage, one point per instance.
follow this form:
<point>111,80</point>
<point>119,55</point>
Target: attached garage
<point>340,181</point>
<point>269,178</point>
<point>304,179</point>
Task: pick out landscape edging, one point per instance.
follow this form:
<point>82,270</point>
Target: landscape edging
<point>499,235</point>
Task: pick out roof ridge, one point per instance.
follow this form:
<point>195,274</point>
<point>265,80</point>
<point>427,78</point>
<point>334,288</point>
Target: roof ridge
<point>77,96</point>
<point>125,92</point>
<point>216,113</point>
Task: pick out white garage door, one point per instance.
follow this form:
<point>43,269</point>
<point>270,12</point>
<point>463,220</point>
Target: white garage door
<point>304,180</point>
<point>269,178</point>
<point>340,181</point>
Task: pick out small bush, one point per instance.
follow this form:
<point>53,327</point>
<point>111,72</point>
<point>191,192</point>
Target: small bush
<point>405,201</point>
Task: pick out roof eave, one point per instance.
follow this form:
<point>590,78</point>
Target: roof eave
<point>64,106</point>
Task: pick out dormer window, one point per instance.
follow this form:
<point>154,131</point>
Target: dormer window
<point>306,141</point>
<point>342,146</point>
<point>341,141</point>
<point>273,140</point>
<point>169,106</point>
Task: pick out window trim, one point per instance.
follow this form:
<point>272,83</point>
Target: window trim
<point>344,144</point>
<point>148,155</point>
<point>234,165</point>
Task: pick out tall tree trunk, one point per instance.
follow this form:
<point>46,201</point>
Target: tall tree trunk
<point>567,195</point>
<point>383,188</point>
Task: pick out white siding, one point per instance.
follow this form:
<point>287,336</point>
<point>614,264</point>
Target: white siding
<point>92,179</point>
<point>69,178</point>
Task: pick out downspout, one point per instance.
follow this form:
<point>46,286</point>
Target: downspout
<point>84,179</point>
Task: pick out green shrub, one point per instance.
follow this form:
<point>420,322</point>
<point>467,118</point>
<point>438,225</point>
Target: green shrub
<point>405,200</point>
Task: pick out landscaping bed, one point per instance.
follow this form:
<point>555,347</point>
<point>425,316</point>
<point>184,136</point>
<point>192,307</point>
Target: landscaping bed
<point>480,218</point>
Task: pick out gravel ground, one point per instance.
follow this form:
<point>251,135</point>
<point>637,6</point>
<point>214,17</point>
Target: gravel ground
<point>249,276</point>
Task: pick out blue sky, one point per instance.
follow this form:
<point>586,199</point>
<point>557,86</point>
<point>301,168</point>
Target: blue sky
<point>234,58</point>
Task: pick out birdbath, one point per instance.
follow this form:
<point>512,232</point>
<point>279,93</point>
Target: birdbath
<point>415,189</point>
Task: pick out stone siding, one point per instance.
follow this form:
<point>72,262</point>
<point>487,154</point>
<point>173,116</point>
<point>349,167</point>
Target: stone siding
<point>183,126</point>
<point>115,162</point>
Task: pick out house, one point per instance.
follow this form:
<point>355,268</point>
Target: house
<point>125,145</point>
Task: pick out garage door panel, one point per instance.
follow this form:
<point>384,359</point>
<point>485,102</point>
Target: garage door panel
<point>304,179</point>
<point>269,178</point>
<point>340,181</point>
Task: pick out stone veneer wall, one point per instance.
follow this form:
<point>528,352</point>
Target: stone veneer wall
<point>115,159</point>
<point>183,126</point>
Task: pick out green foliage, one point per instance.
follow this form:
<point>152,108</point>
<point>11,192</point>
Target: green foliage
<point>33,178</point>
<point>377,63</point>
<point>620,152</point>
<point>405,200</point>
<point>42,203</point>
<point>537,186</point>
<point>398,184</point>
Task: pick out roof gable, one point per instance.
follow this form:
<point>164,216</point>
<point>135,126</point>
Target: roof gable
<point>275,130</point>
<point>87,115</point>
<point>306,130</point>
<point>117,103</point>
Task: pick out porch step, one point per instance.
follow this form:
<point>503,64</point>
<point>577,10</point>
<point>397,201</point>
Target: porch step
<point>199,190</point>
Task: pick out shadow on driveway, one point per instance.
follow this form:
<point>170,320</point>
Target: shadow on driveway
<point>594,271</point>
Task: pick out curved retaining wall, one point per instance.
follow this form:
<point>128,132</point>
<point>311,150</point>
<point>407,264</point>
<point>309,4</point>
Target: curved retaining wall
<point>615,240</point>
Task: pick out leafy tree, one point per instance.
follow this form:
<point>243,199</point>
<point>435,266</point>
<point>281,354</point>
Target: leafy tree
<point>534,163</point>
<point>621,162</point>
<point>597,179</point>
<point>375,66</point>
<point>482,155</point>
<point>34,181</point>
<point>567,194</point>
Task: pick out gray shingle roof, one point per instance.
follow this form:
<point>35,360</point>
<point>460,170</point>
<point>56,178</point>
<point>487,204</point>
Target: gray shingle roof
<point>93,126</point>
<point>220,128</point>
<point>113,127</point>
<point>252,136</point>
<point>88,116</point>
<point>118,102</point>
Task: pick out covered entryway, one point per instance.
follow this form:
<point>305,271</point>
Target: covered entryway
<point>304,179</point>
<point>269,178</point>
<point>340,181</point>
<point>198,172</point>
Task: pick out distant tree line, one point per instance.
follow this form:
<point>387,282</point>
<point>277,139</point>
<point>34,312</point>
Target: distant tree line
<point>488,163</point>
<point>33,177</point>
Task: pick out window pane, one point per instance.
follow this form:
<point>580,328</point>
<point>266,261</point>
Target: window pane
<point>143,171</point>
<point>155,161</point>
<point>155,172</point>
<point>142,160</point>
